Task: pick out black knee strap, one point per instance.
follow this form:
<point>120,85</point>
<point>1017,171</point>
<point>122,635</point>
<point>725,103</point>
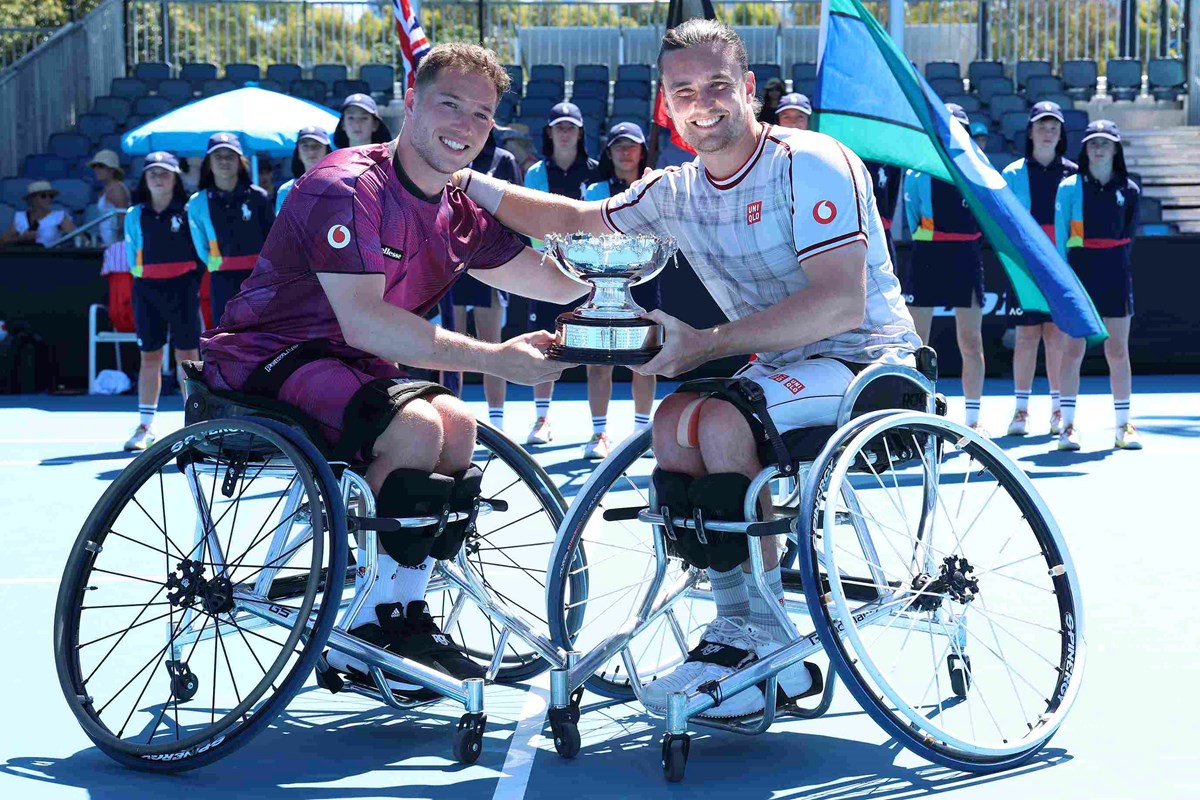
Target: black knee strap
<point>721,497</point>
<point>672,490</point>
<point>464,497</point>
<point>412,493</point>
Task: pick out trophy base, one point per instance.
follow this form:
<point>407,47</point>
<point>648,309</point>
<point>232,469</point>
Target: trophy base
<point>584,340</point>
<point>616,358</point>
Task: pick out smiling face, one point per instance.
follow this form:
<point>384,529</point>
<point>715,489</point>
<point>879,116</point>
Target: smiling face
<point>448,121</point>
<point>709,96</point>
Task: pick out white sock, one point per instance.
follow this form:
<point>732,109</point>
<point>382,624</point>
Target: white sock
<point>1023,399</point>
<point>393,584</point>
<point>640,422</point>
<point>729,592</point>
<point>1122,409</point>
<point>1055,403</point>
<point>972,411</point>
<point>496,417</point>
<point>146,414</point>
<point>761,615</point>
<point>542,405</point>
<point>599,424</point>
<point>1068,410</point>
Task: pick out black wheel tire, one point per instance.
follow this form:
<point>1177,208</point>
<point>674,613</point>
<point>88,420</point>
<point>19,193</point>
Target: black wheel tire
<point>960,680</point>
<point>468,741</point>
<point>566,739</point>
<point>674,756</point>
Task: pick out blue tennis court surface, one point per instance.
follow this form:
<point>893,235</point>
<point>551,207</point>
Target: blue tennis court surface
<point>1130,519</point>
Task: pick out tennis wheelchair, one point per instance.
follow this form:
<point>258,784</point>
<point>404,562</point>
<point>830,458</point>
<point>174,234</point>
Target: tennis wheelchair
<point>938,584</point>
<point>208,582</point>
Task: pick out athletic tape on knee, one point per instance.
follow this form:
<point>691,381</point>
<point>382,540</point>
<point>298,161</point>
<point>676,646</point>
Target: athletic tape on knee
<point>671,489</point>
<point>412,493</point>
<point>721,497</point>
<point>687,432</point>
<point>463,498</point>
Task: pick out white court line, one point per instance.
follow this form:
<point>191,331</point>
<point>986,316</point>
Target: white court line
<point>522,748</point>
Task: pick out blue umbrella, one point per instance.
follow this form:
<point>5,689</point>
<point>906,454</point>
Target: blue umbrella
<point>264,121</point>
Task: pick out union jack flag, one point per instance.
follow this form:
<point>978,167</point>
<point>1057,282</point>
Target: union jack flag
<point>413,44</point>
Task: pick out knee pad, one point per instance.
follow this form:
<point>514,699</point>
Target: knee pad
<point>721,497</point>
<point>464,497</point>
<point>412,493</point>
<point>671,489</point>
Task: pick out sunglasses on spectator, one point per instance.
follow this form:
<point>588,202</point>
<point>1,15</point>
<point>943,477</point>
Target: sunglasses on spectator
<point>42,194</point>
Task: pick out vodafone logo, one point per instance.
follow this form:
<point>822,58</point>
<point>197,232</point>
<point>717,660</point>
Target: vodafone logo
<point>824,212</point>
<point>338,237</point>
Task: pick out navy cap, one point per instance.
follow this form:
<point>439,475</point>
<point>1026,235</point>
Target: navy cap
<point>794,100</point>
<point>1102,129</point>
<point>161,159</point>
<point>979,129</point>
<point>1046,108</point>
<point>626,130</point>
<point>363,101</point>
<point>958,113</point>
<point>316,134</point>
<point>224,140</point>
<point>566,112</point>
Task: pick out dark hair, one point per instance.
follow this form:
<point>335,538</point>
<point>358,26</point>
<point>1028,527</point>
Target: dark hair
<point>466,58</point>
<point>141,193</point>
<point>206,176</point>
<point>607,171</point>
<point>1119,167</point>
<point>1060,149</point>
<point>380,135</point>
<point>696,32</point>
<point>298,165</point>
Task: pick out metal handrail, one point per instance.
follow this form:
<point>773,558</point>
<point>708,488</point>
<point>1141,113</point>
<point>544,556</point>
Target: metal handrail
<point>87,227</point>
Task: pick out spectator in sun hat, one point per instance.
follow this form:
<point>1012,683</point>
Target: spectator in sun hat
<point>230,218</point>
<point>360,123</point>
<point>773,90</point>
<point>40,223</point>
<point>312,144</point>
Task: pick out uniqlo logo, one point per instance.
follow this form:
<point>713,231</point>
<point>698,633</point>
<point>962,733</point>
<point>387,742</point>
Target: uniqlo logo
<point>794,386</point>
<point>780,377</point>
<point>754,212</point>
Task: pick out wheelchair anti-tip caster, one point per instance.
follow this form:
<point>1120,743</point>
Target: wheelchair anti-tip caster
<point>468,738</point>
<point>960,674</point>
<point>675,749</point>
<point>564,724</point>
<point>184,682</point>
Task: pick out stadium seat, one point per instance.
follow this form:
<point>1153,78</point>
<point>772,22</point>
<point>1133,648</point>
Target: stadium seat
<point>1064,100</point>
<point>593,144</point>
<point>381,78</point>
<point>1027,69</point>
<point>517,76</point>
<point>12,191</point>
<point>992,86</point>
<point>74,194</point>
<point>554,73</point>
<point>641,121</point>
<point>93,126</point>
<point>943,69</point>
<point>42,166</point>
<point>805,86</point>
<point>630,106</point>
<point>70,146</point>
<point>1079,75</point>
<point>978,70</point>
<point>534,125</point>
<point>134,121</point>
<point>271,86</point>
<point>112,141</point>
<point>328,74</point>
<point>507,108</point>
<point>177,90</point>
<point>217,86</point>
<point>1039,86</point>
<point>308,89</point>
<point>1005,103</point>
<point>151,72</point>
<point>538,107</point>
<point>116,107</point>
<point>6,215</point>
<point>969,103</point>
<point>284,74</point>
<point>945,87</point>
<point>631,88</point>
<point>591,72</point>
<point>150,107</point>
<point>546,90</point>
<point>589,88</point>
<point>634,72</point>
<point>764,73</point>
<point>999,160</point>
<point>348,86</point>
<point>1149,210</point>
<point>1124,78</point>
<point>197,72</point>
<point>1074,144</point>
<point>594,107</point>
<point>1075,120</point>
<point>239,73</point>
<point>1167,77</point>
<point>1013,123</point>
<point>130,88</point>
<point>802,72</point>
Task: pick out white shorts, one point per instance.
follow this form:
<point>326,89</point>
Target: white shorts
<point>804,395</point>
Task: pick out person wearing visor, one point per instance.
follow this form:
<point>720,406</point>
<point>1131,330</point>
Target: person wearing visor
<point>566,170</point>
<point>772,96</point>
<point>312,144</point>
<point>794,111</point>
<point>947,269</point>
<point>360,123</point>
<point>166,282</point>
<point>1034,179</point>
<point>623,162</point>
<point>1095,218</point>
<point>230,218</point>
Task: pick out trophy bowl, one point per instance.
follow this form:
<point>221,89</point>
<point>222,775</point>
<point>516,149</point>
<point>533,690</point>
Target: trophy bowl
<point>610,328</point>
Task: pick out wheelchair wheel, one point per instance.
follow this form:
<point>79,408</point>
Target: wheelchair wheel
<point>195,601</point>
<point>604,544</point>
<point>509,553</point>
<point>950,604</point>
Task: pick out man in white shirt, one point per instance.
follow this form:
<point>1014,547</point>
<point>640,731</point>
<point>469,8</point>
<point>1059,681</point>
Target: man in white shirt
<point>781,227</point>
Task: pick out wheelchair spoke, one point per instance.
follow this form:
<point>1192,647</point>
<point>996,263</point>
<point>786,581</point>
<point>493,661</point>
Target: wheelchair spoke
<point>161,528</point>
<point>123,631</point>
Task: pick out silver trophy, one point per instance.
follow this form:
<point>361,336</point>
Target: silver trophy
<point>610,328</point>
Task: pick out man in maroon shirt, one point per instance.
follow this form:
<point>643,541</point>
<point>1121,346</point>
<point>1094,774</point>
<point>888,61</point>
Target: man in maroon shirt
<point>368,242</point>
